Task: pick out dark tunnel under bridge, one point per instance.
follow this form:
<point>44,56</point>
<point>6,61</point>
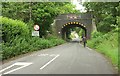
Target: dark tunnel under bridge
<point>66,27</point>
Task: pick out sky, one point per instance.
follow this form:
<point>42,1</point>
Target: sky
<point>78,5</point>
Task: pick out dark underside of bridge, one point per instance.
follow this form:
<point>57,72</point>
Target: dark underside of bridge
<point>65,30</point>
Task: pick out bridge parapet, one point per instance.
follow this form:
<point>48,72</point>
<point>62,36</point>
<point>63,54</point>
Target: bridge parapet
<point>75,16</point>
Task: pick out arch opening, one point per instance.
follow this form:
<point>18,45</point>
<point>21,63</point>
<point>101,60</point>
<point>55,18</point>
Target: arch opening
<point>69,27</point>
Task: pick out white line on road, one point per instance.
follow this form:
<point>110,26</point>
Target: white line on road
<point>89,48</point>
<point>6,68</point>
<point>49,62</point>
<point>25,64</point>
<point>43,55</point>
<point>52,55</point>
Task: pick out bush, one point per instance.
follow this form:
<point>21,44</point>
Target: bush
<point>118,20</point>
<point>17,39</point>
<point>21,45</point>
<point>106,25</point>
<point>13,28</point>
<point>96,34</point>
<point>106,44</point>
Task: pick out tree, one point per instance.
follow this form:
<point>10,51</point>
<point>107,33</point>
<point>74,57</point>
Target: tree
<point>41,13</point>
<point>105,14</point>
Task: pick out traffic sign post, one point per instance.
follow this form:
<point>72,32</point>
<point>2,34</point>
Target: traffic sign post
<point>36,30</point>
<point>35,33</point>
<point>36,27</point>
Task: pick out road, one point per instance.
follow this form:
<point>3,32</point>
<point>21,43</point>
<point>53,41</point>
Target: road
<point>69,58</point>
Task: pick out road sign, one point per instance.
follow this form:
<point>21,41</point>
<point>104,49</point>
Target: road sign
<point>35,33</point>
<point>36,27</point>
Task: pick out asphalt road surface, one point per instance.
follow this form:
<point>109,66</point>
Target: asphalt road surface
<point>69,58</point>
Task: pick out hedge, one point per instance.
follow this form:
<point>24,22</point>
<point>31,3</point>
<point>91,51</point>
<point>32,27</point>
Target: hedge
<point>17,39</point>
<point>12,29</point>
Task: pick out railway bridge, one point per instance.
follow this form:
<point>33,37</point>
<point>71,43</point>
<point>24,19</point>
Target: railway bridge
<point>64,22</point>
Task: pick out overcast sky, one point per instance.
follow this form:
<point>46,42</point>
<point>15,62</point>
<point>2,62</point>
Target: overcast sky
<point>78,5</point>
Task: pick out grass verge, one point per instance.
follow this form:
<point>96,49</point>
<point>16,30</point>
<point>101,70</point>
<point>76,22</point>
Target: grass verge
<point>108,45</point>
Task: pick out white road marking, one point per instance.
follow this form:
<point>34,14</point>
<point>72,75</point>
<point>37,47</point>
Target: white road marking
<point>23,64</point>
<point>43,55</point>
<point>52,55</point>
<point>33,55</point>
<point>49,62</point>
<point>89,48</point>
<point>6,68</point>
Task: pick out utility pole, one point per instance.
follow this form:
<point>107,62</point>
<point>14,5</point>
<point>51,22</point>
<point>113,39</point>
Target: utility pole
<point>30,11</point>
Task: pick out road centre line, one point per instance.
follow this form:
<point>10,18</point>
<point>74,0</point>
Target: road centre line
<point>25,64</point>
<point>49,62</point>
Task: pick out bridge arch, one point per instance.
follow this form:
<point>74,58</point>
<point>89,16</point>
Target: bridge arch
<point>64,21</point>
<point>69,25</point>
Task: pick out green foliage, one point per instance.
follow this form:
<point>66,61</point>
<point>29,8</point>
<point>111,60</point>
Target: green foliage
<point>107,24</point>
<point>22,46</point>
<point>55,40</point>
<point>118,21</point>
<point>44,15</point>
<point>105,14</point>
<point>106,44</point>
<point>12,29</point>
<point>107,18</point>
<point>96,34</point>
<point>41,13</point>
<point>30,27</point>
<point>14,10</point>
<point>17,39</point>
